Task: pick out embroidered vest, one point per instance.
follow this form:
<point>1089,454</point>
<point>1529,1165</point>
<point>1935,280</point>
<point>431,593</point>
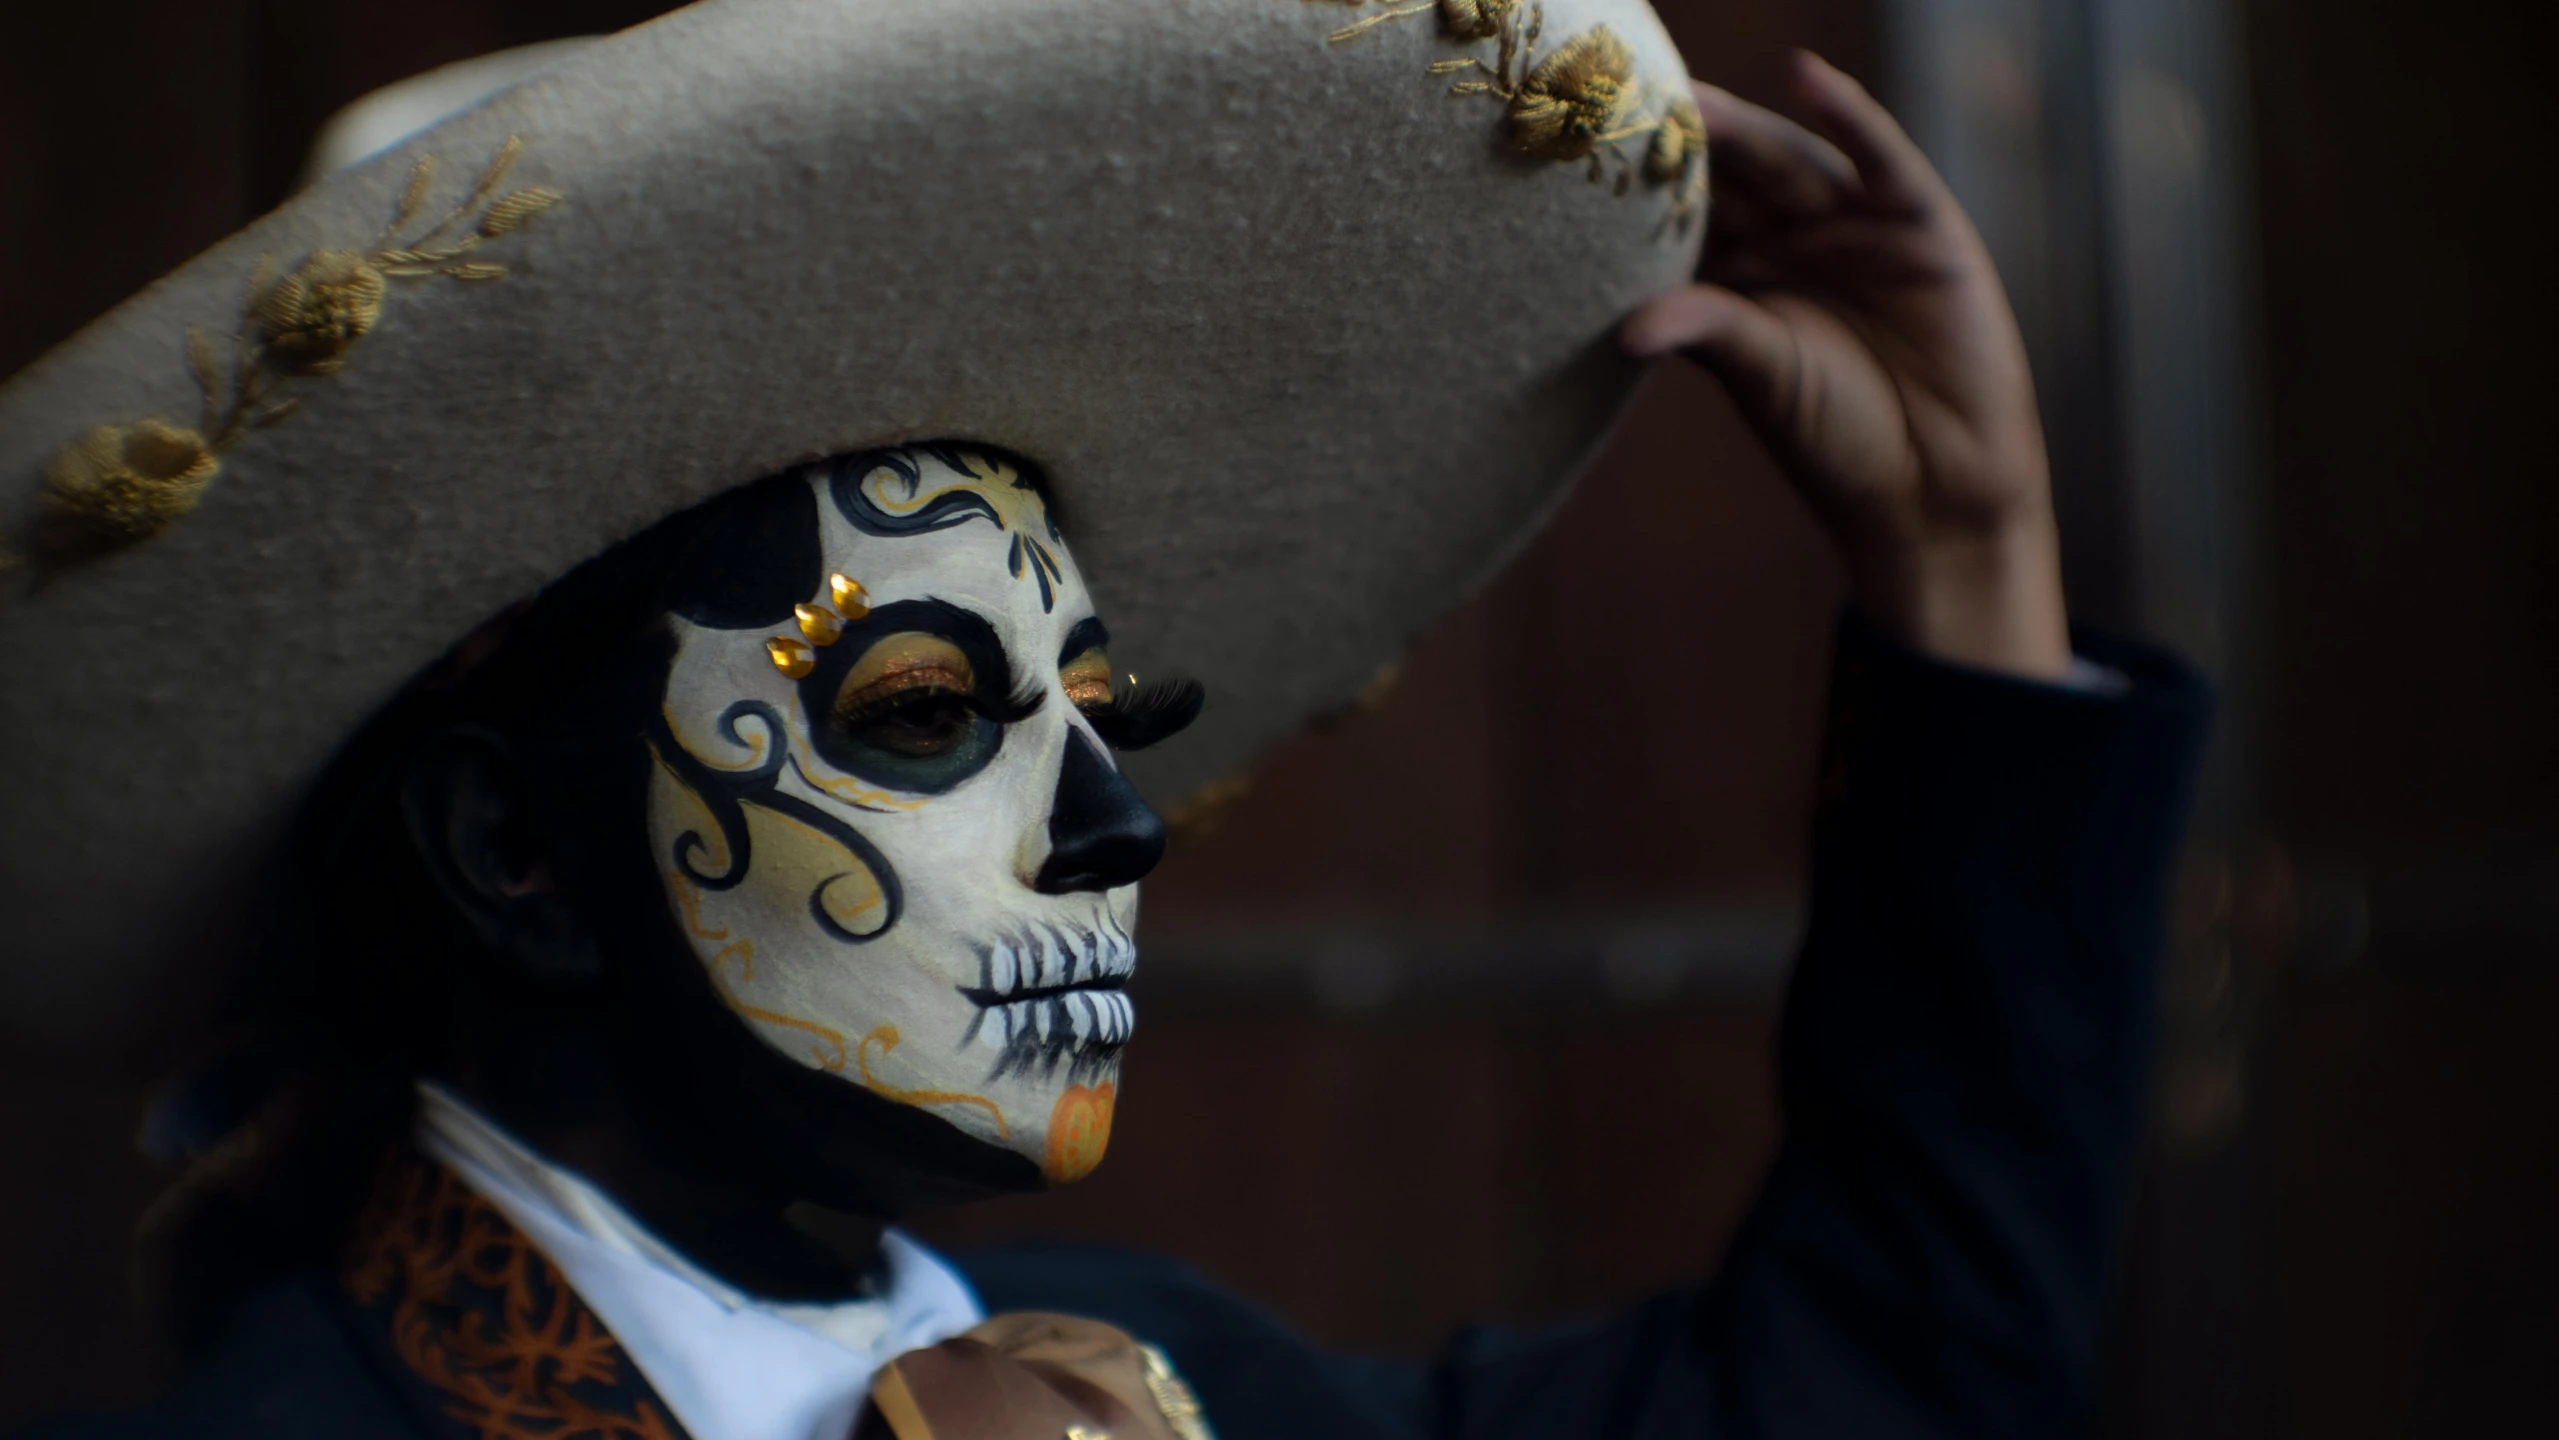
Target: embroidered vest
<point>488,1342</point>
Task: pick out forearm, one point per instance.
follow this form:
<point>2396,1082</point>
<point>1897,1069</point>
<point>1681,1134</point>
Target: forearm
<point>1987,596</point>
<point>1965,1052</point>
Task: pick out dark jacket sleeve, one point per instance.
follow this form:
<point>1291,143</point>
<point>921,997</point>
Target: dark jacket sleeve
<point>1963,1066</point>
<point>285,1368</point>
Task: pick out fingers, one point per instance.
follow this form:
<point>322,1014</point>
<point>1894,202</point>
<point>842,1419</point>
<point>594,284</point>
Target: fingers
<point>1737,338</point>
<point>1769,161</point>
<point>1745,272</point>
<point>1890,166</point>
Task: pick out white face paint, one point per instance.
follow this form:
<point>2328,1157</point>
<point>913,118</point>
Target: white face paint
<point>852,827</point>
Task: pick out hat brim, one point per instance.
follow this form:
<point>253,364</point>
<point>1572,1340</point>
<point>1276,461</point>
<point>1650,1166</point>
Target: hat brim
<point>1304,343</point>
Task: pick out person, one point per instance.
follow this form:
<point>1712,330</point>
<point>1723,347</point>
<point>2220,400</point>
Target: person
<point>773,875</point>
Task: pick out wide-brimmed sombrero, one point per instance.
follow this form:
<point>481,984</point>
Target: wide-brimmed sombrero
<point>1304,306</point>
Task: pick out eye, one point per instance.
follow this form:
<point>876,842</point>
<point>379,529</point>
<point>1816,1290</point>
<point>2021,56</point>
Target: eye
<point>912,696</point>
<point>1087,679</point>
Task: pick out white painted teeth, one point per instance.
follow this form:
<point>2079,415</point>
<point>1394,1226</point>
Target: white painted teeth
<point>1101,1017</point>
<point>1053,959</point>
<point>1079,1017</point>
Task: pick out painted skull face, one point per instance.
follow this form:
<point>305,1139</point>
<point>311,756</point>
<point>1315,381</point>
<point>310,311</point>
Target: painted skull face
<point>891,828</point>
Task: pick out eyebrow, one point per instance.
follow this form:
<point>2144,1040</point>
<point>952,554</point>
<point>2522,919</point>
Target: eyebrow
<point>1088,634</point>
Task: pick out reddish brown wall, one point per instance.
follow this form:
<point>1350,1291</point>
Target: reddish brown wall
<point>2412,1111</point>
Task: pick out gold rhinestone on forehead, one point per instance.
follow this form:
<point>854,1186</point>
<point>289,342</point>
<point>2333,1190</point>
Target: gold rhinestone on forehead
<point>821,625</point>
<point>793,658</point>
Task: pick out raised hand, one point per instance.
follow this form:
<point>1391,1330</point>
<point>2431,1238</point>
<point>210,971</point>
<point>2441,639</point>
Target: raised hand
<point>1852,310</point>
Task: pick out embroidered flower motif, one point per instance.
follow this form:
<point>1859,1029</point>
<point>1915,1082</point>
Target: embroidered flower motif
<point>514,208</point>
<point>1679,142</point>
<point>311,317</point>
<point>484,1319</point>
<point>121,483</point>
<point>1475,19</point>
<point>1575,104</point>
<point>1574,98</point>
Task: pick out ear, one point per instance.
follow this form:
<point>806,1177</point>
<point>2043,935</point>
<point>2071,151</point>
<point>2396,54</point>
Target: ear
<point>478,822</point>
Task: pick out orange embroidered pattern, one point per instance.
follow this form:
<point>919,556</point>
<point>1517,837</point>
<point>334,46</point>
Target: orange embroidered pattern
<point>486,1320</point>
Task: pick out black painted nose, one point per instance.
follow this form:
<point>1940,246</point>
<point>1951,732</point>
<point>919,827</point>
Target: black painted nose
<point>1100,834</point>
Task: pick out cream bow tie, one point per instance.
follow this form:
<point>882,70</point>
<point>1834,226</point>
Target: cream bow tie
<point>1031,1376</point>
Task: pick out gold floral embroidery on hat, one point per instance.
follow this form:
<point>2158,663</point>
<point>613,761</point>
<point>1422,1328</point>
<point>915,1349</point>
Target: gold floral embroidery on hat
<point>1580,101</point>
<point>1173,1397</point>
<point>118,485</point>
<point>122,483</point>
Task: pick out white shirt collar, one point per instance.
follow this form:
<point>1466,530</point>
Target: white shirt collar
<point>729,1365</point>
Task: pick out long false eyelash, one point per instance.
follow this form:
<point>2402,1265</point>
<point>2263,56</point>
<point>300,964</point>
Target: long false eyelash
<point>1023,695</point>
<point>1021,705</point>
<point>1153,712</point>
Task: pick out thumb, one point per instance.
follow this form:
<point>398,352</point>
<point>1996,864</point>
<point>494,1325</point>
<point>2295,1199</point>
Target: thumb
<point>1751,350</point>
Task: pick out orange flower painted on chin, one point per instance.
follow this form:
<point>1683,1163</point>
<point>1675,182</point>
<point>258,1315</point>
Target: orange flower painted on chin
<point>1079,1130</point>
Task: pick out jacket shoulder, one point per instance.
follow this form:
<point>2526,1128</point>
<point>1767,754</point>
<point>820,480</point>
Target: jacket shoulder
<point>284,1369</point>
<point>1255,1376</point>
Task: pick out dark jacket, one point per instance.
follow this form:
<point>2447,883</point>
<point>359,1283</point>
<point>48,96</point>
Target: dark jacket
<point>1963,1065</point>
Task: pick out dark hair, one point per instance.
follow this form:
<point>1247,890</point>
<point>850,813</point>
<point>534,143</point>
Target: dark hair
<point>360,966</point>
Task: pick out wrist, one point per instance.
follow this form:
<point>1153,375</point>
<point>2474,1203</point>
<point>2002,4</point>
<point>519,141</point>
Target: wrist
<point>1988,597</point>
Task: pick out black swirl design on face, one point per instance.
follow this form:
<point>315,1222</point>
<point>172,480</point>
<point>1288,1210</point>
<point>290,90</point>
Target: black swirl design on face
<point>955,506</point>
<point>1044,568</point>
<point>756,557</point>
<point>727,793</point>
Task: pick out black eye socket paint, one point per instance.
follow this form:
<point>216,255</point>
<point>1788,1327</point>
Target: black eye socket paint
<point>1088,634</point>
<point>998,699</point>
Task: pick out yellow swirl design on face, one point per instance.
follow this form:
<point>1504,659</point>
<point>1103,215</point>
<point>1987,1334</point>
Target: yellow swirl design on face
<point>886,1038</point>
<point>828,1057</point>
<point>714,840</point>
<point>1017,507</point>
<point>793,859</point>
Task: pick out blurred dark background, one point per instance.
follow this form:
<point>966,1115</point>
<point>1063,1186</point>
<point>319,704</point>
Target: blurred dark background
<point>1447,1021</point>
